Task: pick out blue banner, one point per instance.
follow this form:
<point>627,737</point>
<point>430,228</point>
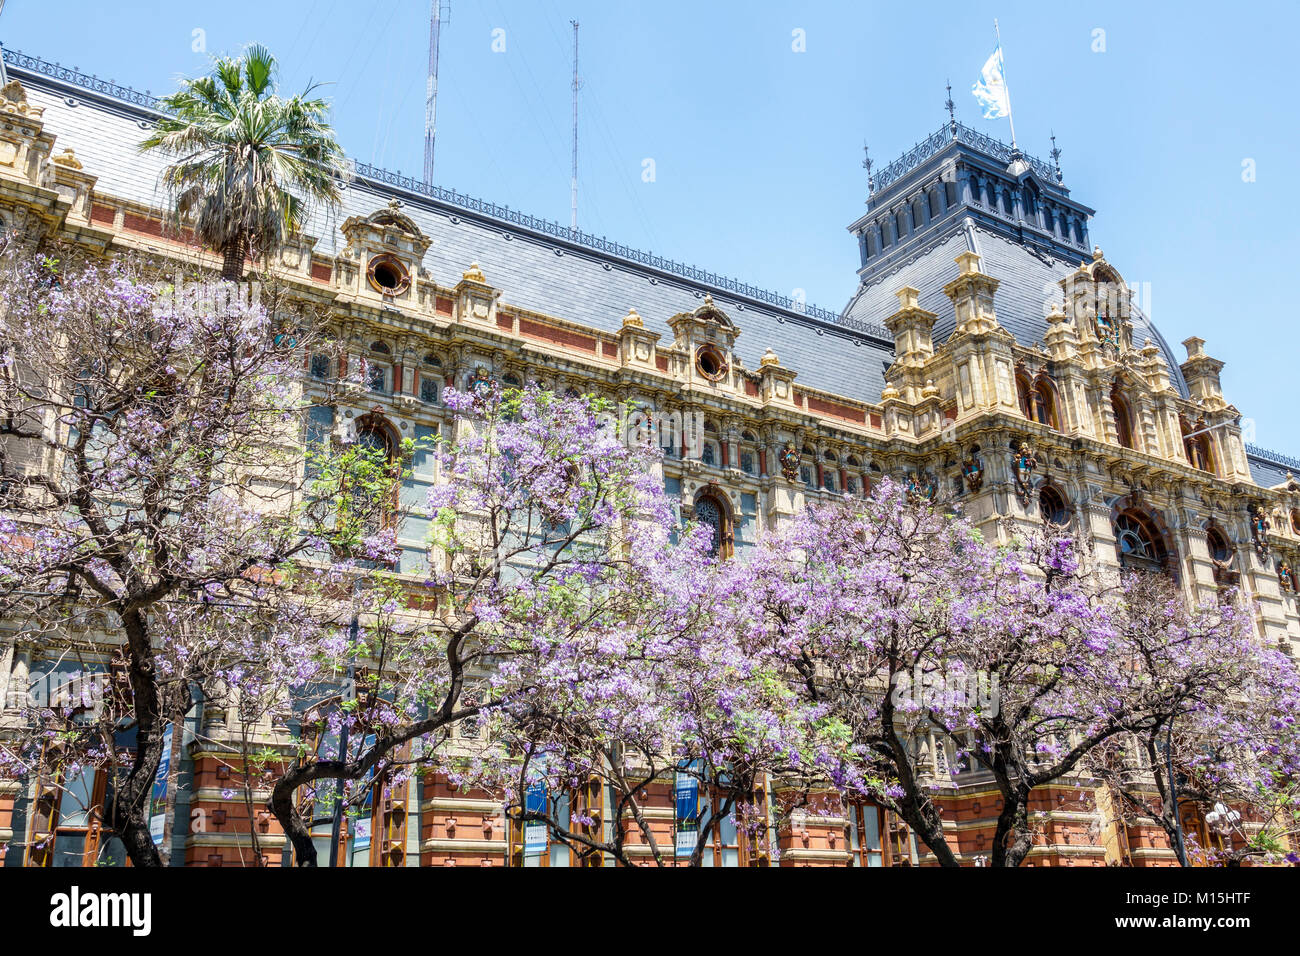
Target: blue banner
<point>687,797</point>
<point>535,832</point>
<point>158,799</point>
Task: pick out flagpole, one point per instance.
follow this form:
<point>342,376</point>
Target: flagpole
<point>1011,119</point>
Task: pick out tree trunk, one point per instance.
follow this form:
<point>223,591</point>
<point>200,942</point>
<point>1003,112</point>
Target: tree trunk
<point>923,817</point>
<point>281,803</point>
<point>131,796</point>
<point>232,261</point>
<point>1014,837</point>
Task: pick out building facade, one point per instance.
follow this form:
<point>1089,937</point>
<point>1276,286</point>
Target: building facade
<point>991,354</point>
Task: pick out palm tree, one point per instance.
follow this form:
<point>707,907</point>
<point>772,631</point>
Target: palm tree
<point>247,160</point>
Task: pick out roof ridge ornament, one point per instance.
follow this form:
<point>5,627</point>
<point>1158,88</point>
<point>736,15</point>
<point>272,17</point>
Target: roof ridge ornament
<point>867,164</point>
<point>1056,158</point>
<point>952,111</point>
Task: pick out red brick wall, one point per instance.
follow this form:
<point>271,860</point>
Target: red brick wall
<point>548,333</point>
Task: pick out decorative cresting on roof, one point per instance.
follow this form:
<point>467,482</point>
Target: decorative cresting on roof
<point>375,176</point>
<point>77,78</point>
<point>937,141</point>
<point>1273,457</point>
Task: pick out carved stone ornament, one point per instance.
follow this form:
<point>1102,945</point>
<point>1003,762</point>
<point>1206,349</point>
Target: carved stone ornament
<point>921,488</point>
<point>1023,466</point>
<point>972,470</point>
<point>482,382</point>
<point>1259,527</point>
<point>789,463</point>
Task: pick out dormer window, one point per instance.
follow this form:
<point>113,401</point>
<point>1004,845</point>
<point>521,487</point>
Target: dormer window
<point>1123,417</point>
<point>387,275</point>
<point>1196,446</point>
<point>1037,400</point>
<point>711,363</point>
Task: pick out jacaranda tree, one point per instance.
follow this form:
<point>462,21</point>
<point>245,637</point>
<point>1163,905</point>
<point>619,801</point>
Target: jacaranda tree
<point>156,520</point>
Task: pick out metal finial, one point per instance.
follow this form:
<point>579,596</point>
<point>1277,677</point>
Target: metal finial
<point>1056,158</point>
<point>951,107</point>
<point>867,164</point>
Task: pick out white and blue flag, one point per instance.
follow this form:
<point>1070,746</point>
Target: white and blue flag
<point>991,90</point>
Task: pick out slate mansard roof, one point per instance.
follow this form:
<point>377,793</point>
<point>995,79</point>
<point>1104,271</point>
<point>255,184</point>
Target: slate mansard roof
<point>544,267</point>
<point>539,266</point>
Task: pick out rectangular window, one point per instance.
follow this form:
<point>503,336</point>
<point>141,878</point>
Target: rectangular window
<point>320,367</point>
<point>377,378</point>
<point>428,389</point>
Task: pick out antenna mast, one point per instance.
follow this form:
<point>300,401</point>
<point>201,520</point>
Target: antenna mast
<point>431,89</point>
<point>573,183</point>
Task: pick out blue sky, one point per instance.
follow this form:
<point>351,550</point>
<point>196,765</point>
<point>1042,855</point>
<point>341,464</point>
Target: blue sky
<point>757,148</point>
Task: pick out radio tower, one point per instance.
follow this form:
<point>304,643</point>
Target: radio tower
<point>431,90</point>
<point>573,212</point>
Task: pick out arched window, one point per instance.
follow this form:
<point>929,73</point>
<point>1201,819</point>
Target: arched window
<point>1196,445</point>
<point>380,347</point>
<point>1295,520</point>
<point>1123,416</point>
<point>432,361</point>
<point>1139,542</point>
<point>1037,400</point>
<point>1051,505</point>
<point>374,434</point>
<point>711,512</point>
<point>1217,542</point>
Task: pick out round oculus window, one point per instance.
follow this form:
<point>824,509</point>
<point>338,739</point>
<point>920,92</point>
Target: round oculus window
<point>711,363</point>
<point>387,275</point>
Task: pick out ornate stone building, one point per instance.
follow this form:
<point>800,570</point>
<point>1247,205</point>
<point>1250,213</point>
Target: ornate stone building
<point>991,354</point>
